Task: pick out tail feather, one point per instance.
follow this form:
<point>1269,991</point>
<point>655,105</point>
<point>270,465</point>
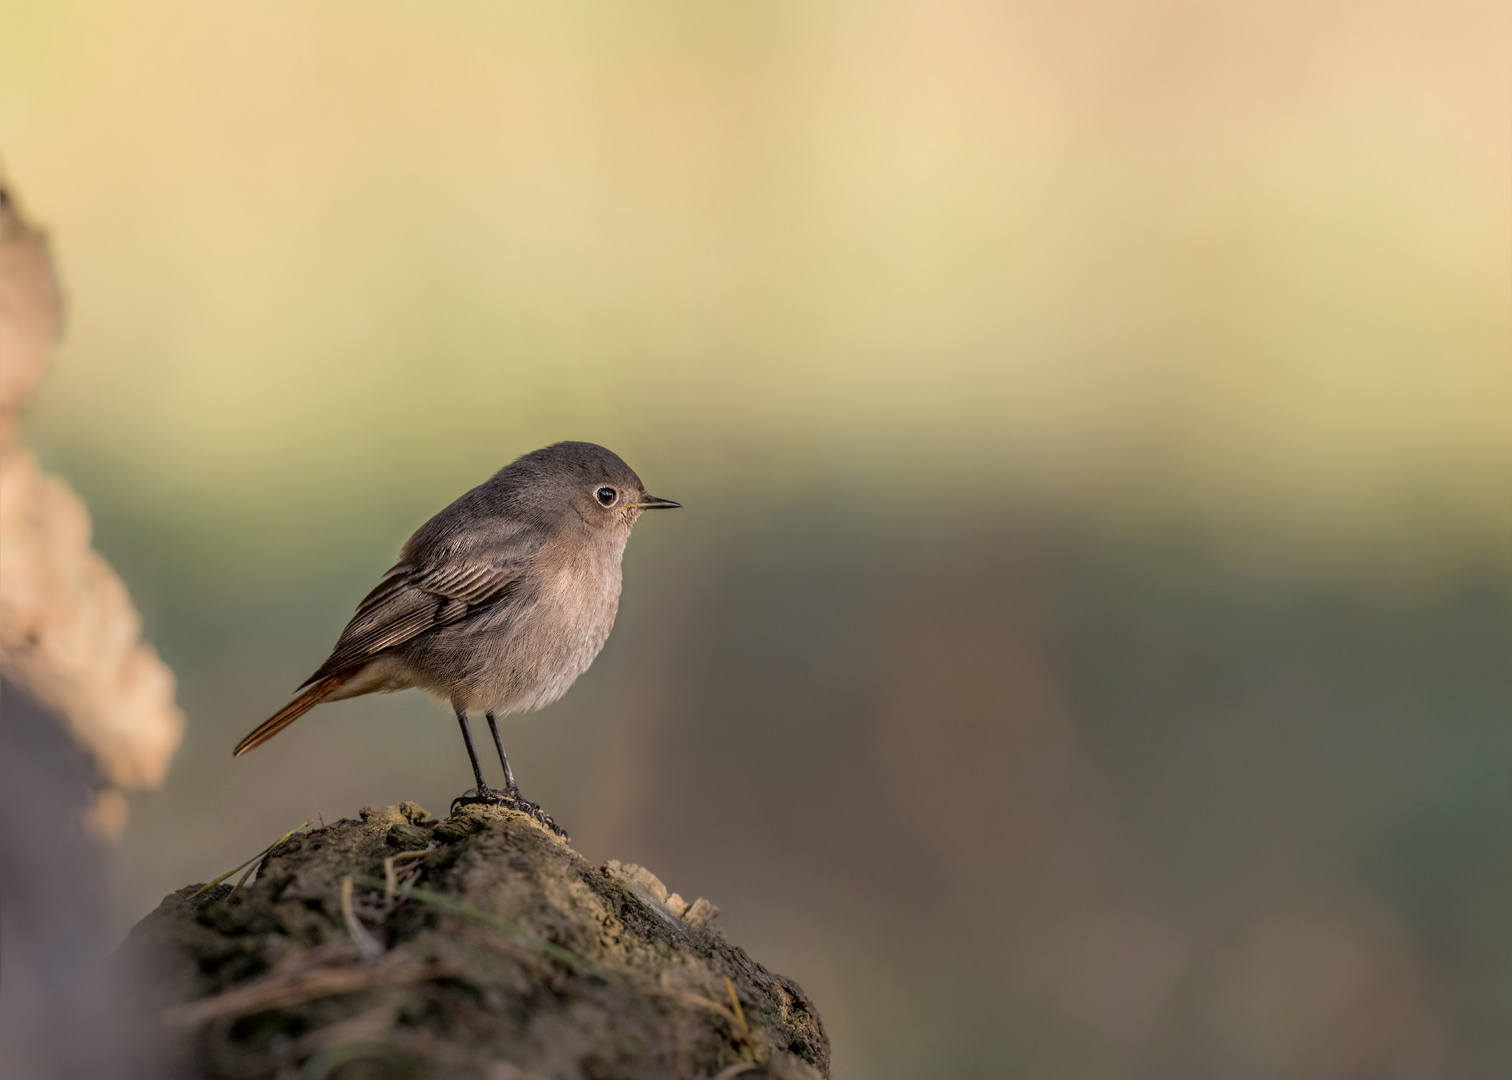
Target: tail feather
<point>290,713</point>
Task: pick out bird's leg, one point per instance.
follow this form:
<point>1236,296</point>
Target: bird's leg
<point>484,792</point>
<point>510,796</point>
<point>511,792</point>
<point>511,788</point>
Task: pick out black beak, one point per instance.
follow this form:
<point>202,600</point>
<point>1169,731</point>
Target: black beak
<point>651,502</point>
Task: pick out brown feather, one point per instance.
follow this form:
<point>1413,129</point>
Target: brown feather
<point>290,712</point>
<point>411,600</point>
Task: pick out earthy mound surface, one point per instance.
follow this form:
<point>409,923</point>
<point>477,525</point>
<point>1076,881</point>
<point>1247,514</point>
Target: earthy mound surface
<point>478,946</point>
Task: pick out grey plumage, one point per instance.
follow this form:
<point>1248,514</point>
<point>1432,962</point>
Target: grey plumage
<point>500,601</point>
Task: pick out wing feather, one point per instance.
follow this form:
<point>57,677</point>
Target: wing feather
<point>414,599</point>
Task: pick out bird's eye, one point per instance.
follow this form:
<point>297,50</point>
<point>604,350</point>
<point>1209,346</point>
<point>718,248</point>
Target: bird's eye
<point>606,495</point>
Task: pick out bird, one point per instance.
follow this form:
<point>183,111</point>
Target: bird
<point>497,603</point>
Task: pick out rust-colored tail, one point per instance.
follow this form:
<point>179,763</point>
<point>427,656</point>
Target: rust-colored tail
<point>290,713</point>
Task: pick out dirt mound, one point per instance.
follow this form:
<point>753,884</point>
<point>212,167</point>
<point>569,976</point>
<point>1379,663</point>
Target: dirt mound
<point>479,946</point>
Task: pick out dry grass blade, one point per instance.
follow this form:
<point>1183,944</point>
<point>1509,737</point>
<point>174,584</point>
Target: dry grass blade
<point>282,990</point>
<point>446,903</point>
<point>742,1028</point>
<point>733,1014</point>
<point>731,1071</point>
<point>391,872</point>
<point>368,947</point>
<point>712,1006</point>
<point>250,862</point>
<point>368,1027</point>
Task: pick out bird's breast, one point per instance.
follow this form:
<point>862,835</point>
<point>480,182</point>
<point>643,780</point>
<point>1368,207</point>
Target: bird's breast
<point>583,598</point>
<point>555,635</point>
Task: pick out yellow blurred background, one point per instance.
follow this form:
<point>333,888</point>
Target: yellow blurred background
<point>1086,635</point>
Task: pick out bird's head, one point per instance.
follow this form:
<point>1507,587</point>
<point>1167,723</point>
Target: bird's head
<point>586,482</point>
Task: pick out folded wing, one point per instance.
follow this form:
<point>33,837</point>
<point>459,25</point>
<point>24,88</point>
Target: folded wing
<point>414,599</point>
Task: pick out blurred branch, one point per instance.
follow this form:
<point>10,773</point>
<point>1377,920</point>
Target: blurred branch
<point>69,633</point>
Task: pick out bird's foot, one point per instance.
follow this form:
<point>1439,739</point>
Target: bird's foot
<point>487,796</point>
<point>525,806</point>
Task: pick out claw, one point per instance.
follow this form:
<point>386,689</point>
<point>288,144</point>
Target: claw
<point>487,796</point>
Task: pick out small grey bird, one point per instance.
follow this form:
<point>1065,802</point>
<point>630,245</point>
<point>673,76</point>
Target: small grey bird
<point>497,603</point>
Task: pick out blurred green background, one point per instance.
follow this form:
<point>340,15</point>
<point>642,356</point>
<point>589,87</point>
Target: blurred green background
<point>1085,651</point>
